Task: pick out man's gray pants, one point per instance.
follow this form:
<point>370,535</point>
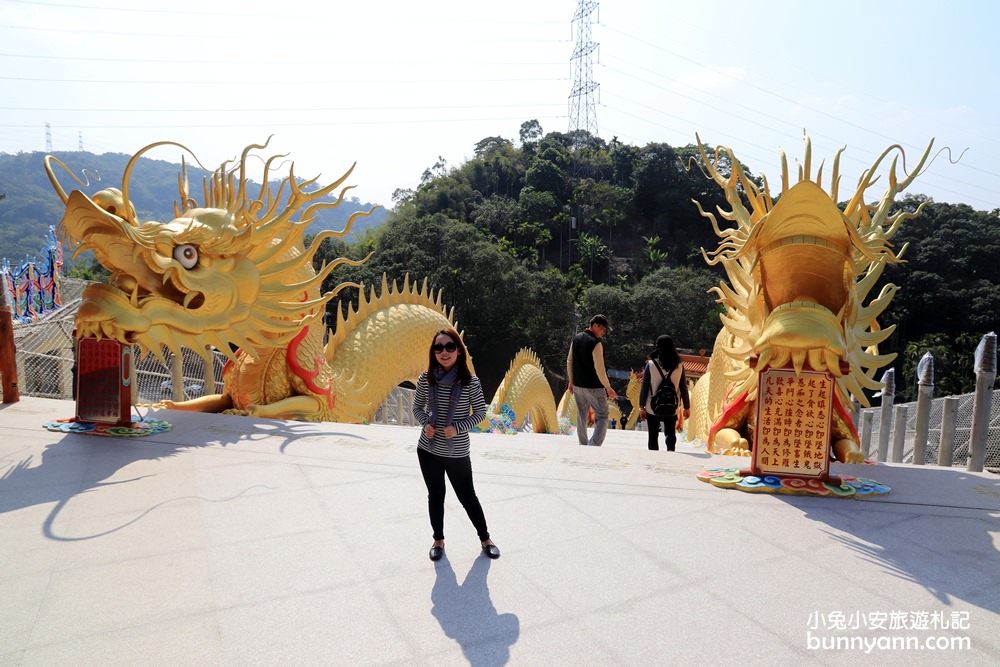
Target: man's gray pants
<point>587,399</point>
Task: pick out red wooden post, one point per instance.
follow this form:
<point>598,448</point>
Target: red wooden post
<point>8,356</point>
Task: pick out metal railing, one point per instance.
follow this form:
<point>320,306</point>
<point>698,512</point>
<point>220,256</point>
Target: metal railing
<point>396,408</point>
<point>943,435</point>
<point>52,374</point>
<point>949,421</point>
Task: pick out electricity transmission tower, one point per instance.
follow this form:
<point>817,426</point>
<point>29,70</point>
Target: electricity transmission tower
<point>582,104</point>
<point>582,110</point>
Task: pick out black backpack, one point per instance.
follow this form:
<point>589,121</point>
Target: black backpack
<point>664,401</point>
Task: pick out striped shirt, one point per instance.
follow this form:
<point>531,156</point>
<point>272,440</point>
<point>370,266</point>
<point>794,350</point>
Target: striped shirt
<point>470,410</point>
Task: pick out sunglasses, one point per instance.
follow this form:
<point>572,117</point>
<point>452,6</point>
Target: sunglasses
<point>438,348</point>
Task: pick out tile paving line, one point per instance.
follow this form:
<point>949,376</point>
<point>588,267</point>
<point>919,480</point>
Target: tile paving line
<point>894,503</point>
<point>324,460</point>
<point>312,461</point>
<point>355,465</point>
<point>221,450</point>
<point>618,487</point>
<point>356,442</point>
<point>616,466</point>
<point>888,500</point>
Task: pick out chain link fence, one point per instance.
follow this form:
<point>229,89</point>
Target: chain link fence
<point>45,358</point>
<point>52,372</point>
<point>962,437</point>
<point>155,381</point>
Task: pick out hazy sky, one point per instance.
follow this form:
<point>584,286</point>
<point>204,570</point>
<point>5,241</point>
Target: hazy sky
<point>394,85</point>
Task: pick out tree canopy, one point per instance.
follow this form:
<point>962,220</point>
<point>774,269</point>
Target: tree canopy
<point>528,239</point>
<point>949,295</point>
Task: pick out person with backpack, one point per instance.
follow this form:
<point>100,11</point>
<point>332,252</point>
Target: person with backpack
<point>661,392</point>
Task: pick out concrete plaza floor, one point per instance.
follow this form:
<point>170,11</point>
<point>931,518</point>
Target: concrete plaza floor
<point>237,541</point>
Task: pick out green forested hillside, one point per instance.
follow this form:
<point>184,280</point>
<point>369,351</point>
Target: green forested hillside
<point>30,205</point>
<point>528,239</point>
<point>949,292</point>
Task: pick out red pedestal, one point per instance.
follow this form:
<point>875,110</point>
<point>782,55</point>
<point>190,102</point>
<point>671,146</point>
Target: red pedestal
<point>8,357</point>
<point>104,381</point>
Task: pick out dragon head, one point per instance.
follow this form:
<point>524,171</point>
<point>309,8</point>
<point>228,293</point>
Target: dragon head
<point>800,270</point>
<point>230,271</point>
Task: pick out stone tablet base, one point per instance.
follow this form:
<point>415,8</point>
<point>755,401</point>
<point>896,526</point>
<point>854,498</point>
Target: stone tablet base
<point>850,487</point>
<point>148,426</point>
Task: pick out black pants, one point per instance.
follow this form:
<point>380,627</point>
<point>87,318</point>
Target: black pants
<point>653,431</point>
<point>459,471</point>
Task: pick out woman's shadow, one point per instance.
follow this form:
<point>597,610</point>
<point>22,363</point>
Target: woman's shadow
<point>467,614</point>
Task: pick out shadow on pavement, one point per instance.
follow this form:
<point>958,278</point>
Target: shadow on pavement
<point>467,614</point>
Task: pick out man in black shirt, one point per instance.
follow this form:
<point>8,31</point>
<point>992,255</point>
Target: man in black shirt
<point>588,380</point>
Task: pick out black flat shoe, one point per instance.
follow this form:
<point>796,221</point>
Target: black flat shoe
<point>436,553</point>
<point>492,551</point>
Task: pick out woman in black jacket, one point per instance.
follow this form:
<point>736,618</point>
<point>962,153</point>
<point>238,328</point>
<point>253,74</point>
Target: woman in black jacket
<point>664,366</point>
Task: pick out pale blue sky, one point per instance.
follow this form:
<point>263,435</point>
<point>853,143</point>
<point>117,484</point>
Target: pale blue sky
<point>394,85</point>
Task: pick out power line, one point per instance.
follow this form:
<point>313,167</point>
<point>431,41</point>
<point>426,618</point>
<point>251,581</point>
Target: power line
<point>747,83</point>
<point>583,81</point>
<point>731,106</point>
<point>284,82</point>
<point>532,105</point>
<point>739,80</point>
<point>309,124</point>
<point>270,15</point>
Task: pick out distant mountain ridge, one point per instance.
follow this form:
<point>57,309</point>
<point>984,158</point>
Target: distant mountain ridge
<point>29,205</point>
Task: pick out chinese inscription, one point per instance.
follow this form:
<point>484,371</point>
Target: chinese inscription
<point>793,423</point>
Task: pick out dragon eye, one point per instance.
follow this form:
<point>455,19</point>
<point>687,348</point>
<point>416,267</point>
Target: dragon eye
<point>186,255</point>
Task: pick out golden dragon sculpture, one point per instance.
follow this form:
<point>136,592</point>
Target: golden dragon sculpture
<point>799,270</point>
<point>233,274</point>
<point>524,394</point>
